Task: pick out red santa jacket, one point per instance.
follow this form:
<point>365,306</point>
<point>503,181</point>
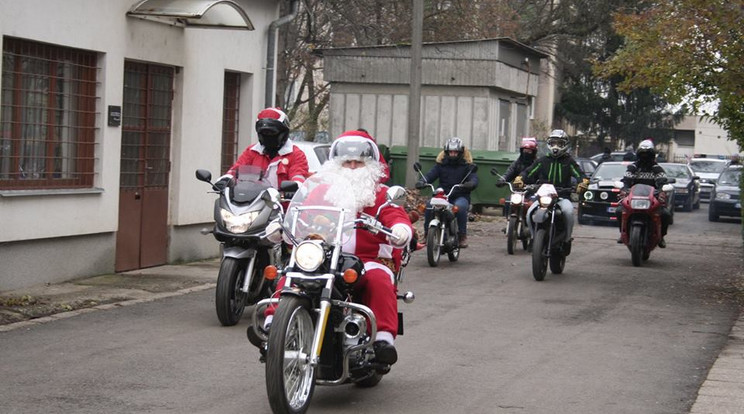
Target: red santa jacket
<point>374,247</point>
<point>290,163</point>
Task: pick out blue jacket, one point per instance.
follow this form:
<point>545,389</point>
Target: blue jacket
<point>450,172</point>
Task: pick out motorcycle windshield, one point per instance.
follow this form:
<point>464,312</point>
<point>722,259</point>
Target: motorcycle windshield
<point>546,190</point>
<point>641,190</point>
<point>323,208</point>
<point>249,184</point>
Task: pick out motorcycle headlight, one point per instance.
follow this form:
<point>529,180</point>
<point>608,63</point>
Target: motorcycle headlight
<point>545,201</point>
<point>723,196</point>
<point>309,255</point>
<point>516,198</point>
<point>238,223</point>
<point>588,195</point>
<point>640,204</point>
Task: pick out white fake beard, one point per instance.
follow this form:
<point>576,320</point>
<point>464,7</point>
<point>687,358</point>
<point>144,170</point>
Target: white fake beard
<point>364,181</point>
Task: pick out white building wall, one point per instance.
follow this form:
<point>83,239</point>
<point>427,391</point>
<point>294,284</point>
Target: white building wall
<point>201,57</point>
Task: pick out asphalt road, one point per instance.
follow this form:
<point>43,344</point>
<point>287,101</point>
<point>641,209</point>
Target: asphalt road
<point>482,337</point>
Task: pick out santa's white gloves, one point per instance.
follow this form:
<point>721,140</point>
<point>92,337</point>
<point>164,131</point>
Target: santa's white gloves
<point>401,235</point>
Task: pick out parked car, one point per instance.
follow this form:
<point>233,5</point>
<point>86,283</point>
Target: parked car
<point>599,203</point>
<point>587,165</point>
<point>708,169</point>
<point>687,186</point>
<point>616,156</point>
<point>315,152</point>
<point>725,199</point>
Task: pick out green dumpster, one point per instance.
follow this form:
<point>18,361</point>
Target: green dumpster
<point>487,194</point>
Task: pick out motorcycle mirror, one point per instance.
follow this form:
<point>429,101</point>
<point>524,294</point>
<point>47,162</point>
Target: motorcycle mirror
<point>396,195</point>
<point>494,171</point>
<point>204,175</point>
<point>417,167</point>
<point>271,195</point>
<point>473,168</point>
<point>289,186</point>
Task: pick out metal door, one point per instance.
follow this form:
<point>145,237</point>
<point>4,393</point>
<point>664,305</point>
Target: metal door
<point>142,237</point>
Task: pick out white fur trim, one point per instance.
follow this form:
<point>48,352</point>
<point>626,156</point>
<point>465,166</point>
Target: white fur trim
<point>375,265</point>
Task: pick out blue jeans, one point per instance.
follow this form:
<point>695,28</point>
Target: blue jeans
<point>461,216</point>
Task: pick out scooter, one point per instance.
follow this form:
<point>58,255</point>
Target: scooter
<point>442,235</point>
<point>641,220</point>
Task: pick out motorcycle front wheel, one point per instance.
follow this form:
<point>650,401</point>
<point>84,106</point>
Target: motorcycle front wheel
<point>557,263</point>
<point>229,299</point>
<point>512,235</point>
<point>433,249</point>
<point>290,379</point>
<point>636,245</point>
<point>454,253</point>
<point>539,260</point>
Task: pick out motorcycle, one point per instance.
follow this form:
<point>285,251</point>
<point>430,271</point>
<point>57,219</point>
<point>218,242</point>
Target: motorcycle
<point>516,226</point>
<point>641,220</point>
<point>241,214</point>
<point>549,246</point>
<point>321,334</point>
<point>442,234</point>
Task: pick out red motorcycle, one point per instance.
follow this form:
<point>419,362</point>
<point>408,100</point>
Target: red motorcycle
<point>641,220</point>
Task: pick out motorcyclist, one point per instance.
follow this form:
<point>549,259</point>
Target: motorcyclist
<point>453,165</point>
<point>558,167</point>
<point>646,171</point>
<point>355,156</point>
<point>274,153</point>
<point>527,155</point>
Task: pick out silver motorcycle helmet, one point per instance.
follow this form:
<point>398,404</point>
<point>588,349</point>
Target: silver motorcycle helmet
<point>557,143</point>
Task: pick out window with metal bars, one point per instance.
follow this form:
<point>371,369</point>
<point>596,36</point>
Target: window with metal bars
<point>230,109</point>
<point>48,116</point>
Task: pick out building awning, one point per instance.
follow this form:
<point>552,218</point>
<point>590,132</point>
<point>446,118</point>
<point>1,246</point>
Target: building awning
<point>224,14</point>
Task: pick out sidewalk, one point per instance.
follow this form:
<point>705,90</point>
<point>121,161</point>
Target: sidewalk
<point>45,303</point>
<point>722,392</point>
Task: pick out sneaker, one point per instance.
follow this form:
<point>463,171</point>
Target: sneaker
<point>385,352</point>
<point>662,243</point>
<point>463,241</point>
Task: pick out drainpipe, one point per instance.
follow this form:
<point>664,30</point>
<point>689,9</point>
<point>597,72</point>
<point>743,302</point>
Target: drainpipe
<point>271,52</point>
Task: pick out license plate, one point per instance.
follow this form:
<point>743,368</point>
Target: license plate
<point>611,209</point>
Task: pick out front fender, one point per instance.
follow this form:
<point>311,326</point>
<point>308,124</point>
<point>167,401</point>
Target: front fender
<point>540,215</point>
<point>239,253</point>
<point>434,223</point>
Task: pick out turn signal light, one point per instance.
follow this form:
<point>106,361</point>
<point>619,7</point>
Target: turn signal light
<point>455,209</point>
<point>502,201</point>
<point>270,272</point>
<point>421,208</point>
<point>350,276</point>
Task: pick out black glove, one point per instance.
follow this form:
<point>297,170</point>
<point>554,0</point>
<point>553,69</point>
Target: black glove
<point>500,183</point>
<point>222,182</point>
<point>469,185</point>
<point>420,184</point>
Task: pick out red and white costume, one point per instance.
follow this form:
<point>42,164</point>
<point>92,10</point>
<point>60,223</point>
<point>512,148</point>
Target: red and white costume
<point>289,163</point>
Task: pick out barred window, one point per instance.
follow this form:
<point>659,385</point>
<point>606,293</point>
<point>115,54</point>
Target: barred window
<point>230,108</point>
<point>48,116</point>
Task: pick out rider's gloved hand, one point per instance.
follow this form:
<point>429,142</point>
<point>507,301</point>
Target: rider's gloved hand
<point>222,182</point>
<point>518,183</point>
<point>500,183</point>
<point>582,186</point>
<point>468,185</point>
<point>623,193</point>
<point>402,235</point>
<point>420,184</point>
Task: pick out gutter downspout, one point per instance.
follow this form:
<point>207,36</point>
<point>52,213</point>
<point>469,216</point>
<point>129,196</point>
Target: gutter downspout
<point>271,52</point>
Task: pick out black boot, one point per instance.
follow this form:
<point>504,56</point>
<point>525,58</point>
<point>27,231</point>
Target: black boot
<point>385,352</point>
<point>662,243</point>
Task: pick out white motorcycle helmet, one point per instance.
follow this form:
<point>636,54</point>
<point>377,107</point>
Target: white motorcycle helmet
<point>557,143</point>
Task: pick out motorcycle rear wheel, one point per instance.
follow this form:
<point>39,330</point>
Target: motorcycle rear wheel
<point>524,235</point>
<point>512,235</point>
<point>229,300</point>
<point>539,260</point>
<point>636,245</point>
<point>290,379</point>
<point>433,249</point>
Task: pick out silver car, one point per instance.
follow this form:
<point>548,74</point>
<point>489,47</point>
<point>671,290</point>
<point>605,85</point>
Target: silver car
<point>708,169</point>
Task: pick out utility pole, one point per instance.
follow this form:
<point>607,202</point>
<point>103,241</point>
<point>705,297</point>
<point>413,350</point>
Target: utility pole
<point>414,96</point>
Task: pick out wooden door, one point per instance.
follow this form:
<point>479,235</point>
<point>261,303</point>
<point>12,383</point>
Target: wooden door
<point>142,236</point>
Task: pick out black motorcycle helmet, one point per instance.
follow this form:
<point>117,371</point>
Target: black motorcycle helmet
<point>272,127</point>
